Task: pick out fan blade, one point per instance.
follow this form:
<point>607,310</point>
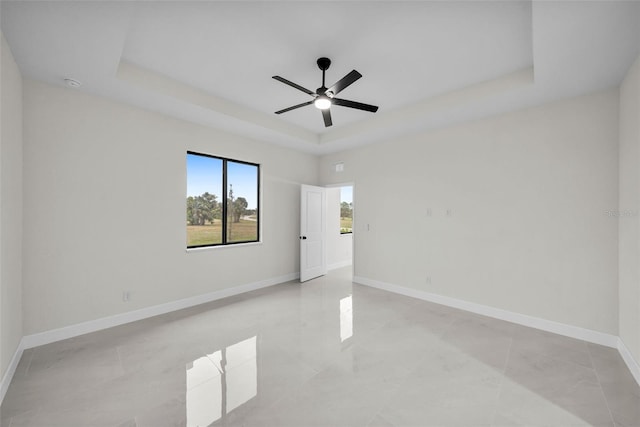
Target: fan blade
<point>294,107</point>
<point>326,115</point>
<point>292,84</point>
<point>344,82</point>
<point>353,104</point>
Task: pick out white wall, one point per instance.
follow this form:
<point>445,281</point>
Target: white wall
<point>339,246</point>
<point>629,209</point>
<point>528,192</point>
<point>10,206</point>
<point>104,209</point>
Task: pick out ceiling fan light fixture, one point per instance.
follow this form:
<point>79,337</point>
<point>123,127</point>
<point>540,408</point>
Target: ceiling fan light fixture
<point>322,102</point>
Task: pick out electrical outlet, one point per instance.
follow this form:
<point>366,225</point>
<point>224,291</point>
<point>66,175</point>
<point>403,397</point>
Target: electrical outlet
<point>428,280</point>
<point>126,296</point>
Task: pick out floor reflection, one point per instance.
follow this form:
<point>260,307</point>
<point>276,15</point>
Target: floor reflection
<point>220,382</point>
<point>346,318</point>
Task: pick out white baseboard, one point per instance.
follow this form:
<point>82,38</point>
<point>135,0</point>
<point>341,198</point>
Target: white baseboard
<point>11,370</point>
<point>588,335</point>
<point>337,265</point>
<point>71,331</point>
<point>628,358</point>
<point>583,334</point>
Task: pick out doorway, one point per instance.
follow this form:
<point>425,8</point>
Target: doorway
<point>340,226</point>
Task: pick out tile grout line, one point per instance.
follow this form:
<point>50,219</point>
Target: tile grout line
<point>26,371</point>
<point>606,401</point>
<point>120,359</point>
<point>565,361</point>
<point>502,380</point>
<point>397,390</point>
<point>439,336</point>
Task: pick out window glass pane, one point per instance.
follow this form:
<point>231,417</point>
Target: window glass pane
<point>204,200</point>
<point>346,210</point>
<point>242,202</point>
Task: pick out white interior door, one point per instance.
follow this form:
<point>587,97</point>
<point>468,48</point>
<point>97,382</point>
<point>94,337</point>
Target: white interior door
<point>313,259</point>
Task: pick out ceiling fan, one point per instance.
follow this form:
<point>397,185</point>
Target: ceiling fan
<point>324,98</point>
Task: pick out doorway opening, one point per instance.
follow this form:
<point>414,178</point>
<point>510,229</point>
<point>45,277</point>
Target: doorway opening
<point>340,226</point>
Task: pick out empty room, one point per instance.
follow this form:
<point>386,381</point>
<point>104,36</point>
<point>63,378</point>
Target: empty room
<point>319,213</point>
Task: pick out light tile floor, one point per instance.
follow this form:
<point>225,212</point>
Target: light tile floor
<point>323,353</point>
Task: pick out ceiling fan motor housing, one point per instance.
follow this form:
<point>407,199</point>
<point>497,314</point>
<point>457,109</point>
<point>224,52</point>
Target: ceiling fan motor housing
<point>324,63</point>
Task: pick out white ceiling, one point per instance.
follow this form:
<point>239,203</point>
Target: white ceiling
<point>424,63</point>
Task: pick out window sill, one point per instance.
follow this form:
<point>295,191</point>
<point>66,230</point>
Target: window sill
<point>218,247</point>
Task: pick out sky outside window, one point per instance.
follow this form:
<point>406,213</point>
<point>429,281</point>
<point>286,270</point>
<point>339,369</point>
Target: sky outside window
<point>205,175</point>
<point>244,179</point>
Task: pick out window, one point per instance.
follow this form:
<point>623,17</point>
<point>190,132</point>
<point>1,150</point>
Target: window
<point>223,199</point>
<point>346,210</point>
